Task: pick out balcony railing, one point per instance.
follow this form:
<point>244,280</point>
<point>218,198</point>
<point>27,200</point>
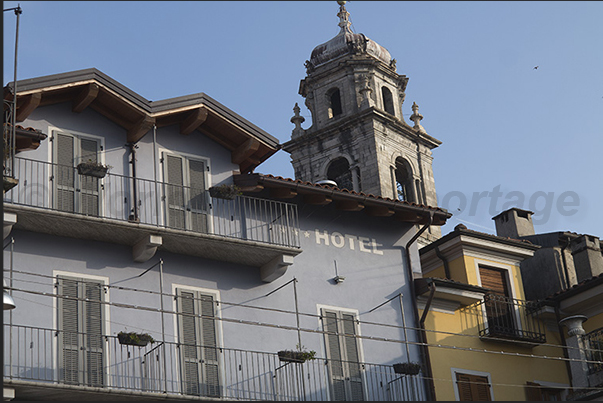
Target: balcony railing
<point>62,188</point>
<point>502,317</point>
<point>34,354</point>
<point>594,350</point>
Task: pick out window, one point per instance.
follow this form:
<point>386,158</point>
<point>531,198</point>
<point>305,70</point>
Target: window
<point>472,387</point>
<point>535,392</point>
<point>187,201</point>
<point>404,183</point>
<point>75,193</point>
<point>334,102</point>
<point>80,331</point>
<point>339,171</point>
<point>343,355</point>
<point>198,343</point>
<point>499,306</point>
<point>388,101</point>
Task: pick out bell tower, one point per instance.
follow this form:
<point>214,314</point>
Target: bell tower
<point>358,137</point>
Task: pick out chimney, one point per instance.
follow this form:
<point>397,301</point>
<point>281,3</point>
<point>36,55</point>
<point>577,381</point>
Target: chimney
<point>588,260</point>
<point>514,223</point>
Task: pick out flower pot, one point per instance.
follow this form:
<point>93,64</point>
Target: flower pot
<point>134,339</point>
<point>407,368</point>
<point>92,169</point>
<point>295,356</point>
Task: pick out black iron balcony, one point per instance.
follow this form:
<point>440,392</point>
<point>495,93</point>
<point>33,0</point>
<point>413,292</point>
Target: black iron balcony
<point>501,317</point>
<point>39,361</point>
<point>593,342</point>
<point>62,189</point>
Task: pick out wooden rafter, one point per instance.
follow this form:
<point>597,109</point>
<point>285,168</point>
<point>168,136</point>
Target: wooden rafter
<point>136,132</point>
<point>193,120</point>
<point>319,200</point>
<point>408,216</point>
<point>348,205</point>
<point>85,97</point>
<point>282,193</point>
<point>379,211</point>
<point>245,150</point>
<point>30,103</point>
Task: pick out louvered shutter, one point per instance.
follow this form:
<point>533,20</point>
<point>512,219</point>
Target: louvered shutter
<point>69,338</point>
<point>197,203</point>
<point>174,191</point>
<point>81,331</point>
<point>473,387</point>
<point>89,185</point>
<point>94,333</point>
<point>188,343</point>
<point>343,357</point>
<point>501,320</point>
<point>64,172</point>
<point>199,347</point>
<point>210,352</point>
<point>533,392</point>
<point>352,357</point>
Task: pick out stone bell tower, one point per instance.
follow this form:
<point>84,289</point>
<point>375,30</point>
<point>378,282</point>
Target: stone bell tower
<point>358,137</point>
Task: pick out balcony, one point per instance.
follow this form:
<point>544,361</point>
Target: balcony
<point>508,319</point>
<point>37,368</point>
<point>593,342</point>
<point>58,200</point>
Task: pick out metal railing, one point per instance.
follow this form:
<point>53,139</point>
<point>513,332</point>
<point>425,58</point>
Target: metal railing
<point>593,343</point>
<point>37,355</point>
<point>499,316</point>
<point>62,188</point>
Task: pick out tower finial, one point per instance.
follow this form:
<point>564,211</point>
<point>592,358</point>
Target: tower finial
<point>417,117</point>
<point>344,17</point>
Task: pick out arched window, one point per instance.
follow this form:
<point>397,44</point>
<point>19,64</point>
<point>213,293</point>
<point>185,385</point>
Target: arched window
<point>404,183</point>
<point>339,171</point>
<point>334,100</point>
<point>388,100</point>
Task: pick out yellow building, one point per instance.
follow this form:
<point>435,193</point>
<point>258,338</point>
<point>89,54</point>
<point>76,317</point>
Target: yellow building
<point>486,342</point>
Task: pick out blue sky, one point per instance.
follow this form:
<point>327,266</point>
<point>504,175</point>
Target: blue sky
<point>511,134</point>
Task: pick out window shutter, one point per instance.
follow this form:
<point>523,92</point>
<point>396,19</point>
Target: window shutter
<point>533,392</point>
<point>482,388</point>
<point>495,280</point>
<point>94,333</point>
<point>197,195</point>
<point>89,185</point>
<point>473,387</point>
<point>188,341</point>
<point>210,352</point>
<point>352,357</point>
<point>68,331</point>
<point>174,191</point>
<point>334,356</point>
<point>64,176</point>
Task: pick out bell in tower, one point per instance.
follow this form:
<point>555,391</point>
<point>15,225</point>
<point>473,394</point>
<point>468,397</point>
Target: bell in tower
<point>358,137</point>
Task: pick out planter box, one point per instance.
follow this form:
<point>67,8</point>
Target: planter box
<point>292,356</point>
<point>134,339</point>
<point>407,368</point>
<point>94,170</point>
<point>224,192</point>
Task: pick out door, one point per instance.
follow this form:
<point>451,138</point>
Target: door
<point>345,370</point>
<point>187,201</point>
<point>499,304</point>
<point>199,352</point>
<point>73,192</point>
<point>80,331</point>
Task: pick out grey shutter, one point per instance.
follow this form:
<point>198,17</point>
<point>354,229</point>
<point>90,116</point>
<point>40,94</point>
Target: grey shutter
<point>81,332</point>
<point>343,357</point>
<point>64,174</point>
<point>188,343</point>
<point>69,339</point>
<point>197,327</point>
<point>174,190</point>
<point>197,203</point>
<point>352,357</point>
<point>89,185</point>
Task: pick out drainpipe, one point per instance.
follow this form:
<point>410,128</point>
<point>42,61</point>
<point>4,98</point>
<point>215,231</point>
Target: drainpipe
<point>445,261</point>
<point>564,344</point>
<point>413,295</point>
<point>133,148</point>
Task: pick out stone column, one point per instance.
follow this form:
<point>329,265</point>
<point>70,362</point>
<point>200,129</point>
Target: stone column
<point>576,350</point>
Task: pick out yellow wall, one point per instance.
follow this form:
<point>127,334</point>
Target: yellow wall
<point>508,373</point>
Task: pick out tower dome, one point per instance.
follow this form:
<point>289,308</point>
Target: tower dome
<point>347,42</point>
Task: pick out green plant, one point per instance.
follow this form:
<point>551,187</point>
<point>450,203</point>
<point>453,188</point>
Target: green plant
<point>135,339</point>
<point>407,368</point>
<point>300,355</point>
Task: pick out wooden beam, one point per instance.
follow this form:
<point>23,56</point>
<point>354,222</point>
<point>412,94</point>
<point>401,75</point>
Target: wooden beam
<point>140,128</point>
<point>85,97</point>
<point>282,193</point>
<point>255,188</point>
<point>29,104</point>
<point>194,119</point>
<point>348,205</point>
<point>408,216</point>
<point>244,151</point>
<point>379,211</point>
<point>319,200</point>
